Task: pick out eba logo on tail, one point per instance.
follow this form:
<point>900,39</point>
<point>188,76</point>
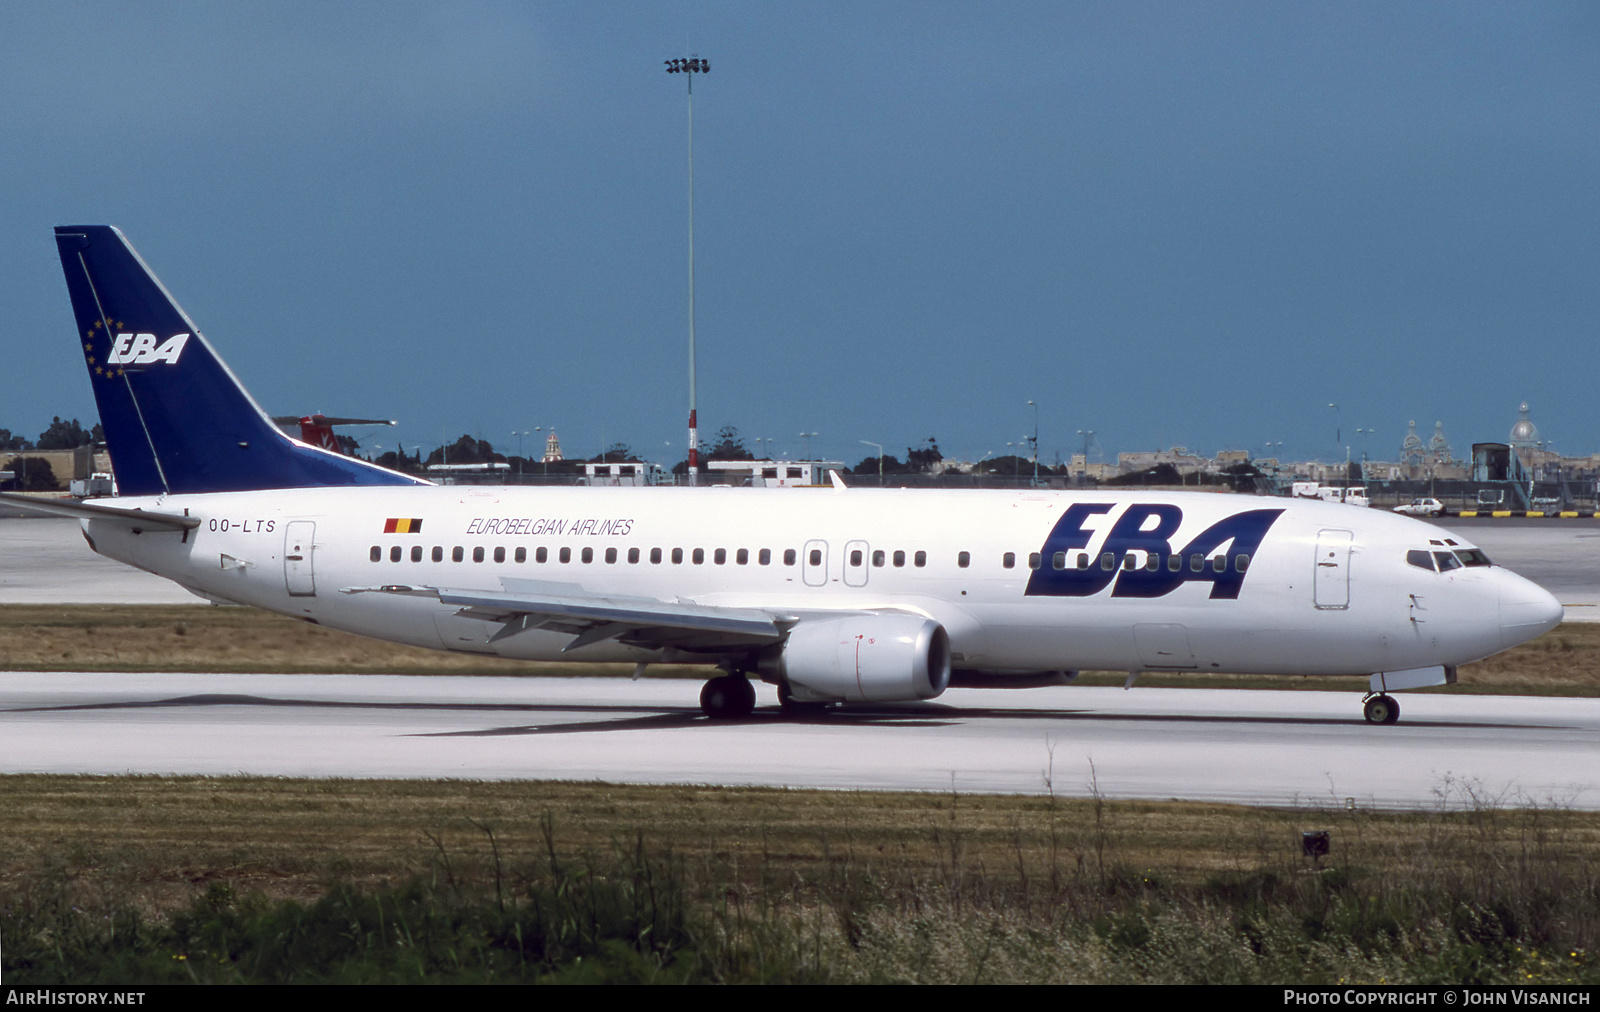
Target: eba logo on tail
<point>141,349</point>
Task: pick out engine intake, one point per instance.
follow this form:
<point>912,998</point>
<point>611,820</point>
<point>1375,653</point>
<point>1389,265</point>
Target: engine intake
<point>862,659</point>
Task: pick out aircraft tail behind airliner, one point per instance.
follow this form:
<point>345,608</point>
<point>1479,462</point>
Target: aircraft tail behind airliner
<point>176,419</point>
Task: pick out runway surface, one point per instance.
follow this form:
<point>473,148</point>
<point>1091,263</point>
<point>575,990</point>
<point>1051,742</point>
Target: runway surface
<point>1250,747</point>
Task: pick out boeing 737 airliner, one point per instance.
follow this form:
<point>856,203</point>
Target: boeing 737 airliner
<point>831,595</point>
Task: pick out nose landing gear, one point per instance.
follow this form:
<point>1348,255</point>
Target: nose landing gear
<point>1381,709</point>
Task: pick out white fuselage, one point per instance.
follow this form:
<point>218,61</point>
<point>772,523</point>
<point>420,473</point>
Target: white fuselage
<point>1327,591</point>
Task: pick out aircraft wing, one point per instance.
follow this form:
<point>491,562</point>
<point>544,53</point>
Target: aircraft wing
<point>642,622</point>
<point>137,520</point>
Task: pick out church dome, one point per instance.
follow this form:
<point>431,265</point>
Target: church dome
<point>1524,432</point>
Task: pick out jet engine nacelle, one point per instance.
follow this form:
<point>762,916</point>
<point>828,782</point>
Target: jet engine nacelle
<point>862,659</point>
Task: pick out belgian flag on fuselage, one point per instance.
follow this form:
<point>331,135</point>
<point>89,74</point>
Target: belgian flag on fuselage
<point>176,419</point>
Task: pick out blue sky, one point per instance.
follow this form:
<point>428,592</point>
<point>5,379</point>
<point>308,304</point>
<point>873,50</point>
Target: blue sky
<point>1171,223</point>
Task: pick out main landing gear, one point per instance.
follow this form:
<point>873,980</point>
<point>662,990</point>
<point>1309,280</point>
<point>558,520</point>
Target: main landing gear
<point>1381,709</point>
<point>728,697</point>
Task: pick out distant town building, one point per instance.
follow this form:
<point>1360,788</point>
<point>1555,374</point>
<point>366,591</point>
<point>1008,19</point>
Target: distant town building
<point>552,448</point>
<point>1524,434</point>
<point>1433,459</point>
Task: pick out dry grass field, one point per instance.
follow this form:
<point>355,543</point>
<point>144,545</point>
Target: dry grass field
<point>171,879</point>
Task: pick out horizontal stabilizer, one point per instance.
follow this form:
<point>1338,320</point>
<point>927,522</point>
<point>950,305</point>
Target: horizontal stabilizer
<point>135,519</point>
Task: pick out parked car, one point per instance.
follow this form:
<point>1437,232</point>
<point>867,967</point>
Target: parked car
<point>1421,508</point>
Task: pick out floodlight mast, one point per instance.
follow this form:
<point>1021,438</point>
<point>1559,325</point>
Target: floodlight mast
<point>690,67</point>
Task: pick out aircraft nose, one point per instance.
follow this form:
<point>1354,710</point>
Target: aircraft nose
<point>1526,610</point>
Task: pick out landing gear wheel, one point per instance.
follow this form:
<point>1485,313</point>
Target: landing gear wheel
<point>728,697</point>
<point>793,707</point>
<point>1382,709</point>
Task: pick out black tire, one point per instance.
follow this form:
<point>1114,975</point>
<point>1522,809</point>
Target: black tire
<point>1382,709</point>
<point>728,697</point>
<point>745,691</point>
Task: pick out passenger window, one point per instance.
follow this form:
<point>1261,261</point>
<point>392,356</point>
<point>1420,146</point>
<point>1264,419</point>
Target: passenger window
<point>1083,560</point>
<point>1108,561</point>
<point>541,554</point>
<point>1152,562</point>
<point>1241,563</point>
<point>963,559</point>
<point>1174,563</point>
<point>377,554</point>
<point>522,555</point>
<point>1129,562</point>
<point>394,554</point>
<point>500,553</point>
<point>565,556</point>
<point>633,556</point>
<point>1197,563</point>
<point>920,559</point>
<point>438,553</point>
<point>655,556</point>
<point>677,556</point>
<point>477,554</point>
<point>699,556</point>
<point>899,559</point>
<point>587,556</point>
<point>1219,564</point>
<point>611,556</point>
<point>720,556</point>
<point>764,557</point>
<point>879,558</point>
<point>457,554</point>
<point>856,557</point>
<point>742,557</point>
<point>1033,560</point>
<point>816,556</point>
<point>1059,560</point>
<point>789,556</point>
<point>1009,560</point>
<point>416,553</point>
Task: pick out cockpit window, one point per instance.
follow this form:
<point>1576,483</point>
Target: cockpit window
<point>1422,560</point>
<point>1447,561</point>
<point>1473,557</point>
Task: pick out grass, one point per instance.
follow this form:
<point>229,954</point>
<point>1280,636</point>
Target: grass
<point>150,880</point>
<point>1565,661</point>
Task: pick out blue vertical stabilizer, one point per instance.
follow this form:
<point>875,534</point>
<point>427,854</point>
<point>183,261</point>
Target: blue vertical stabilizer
<point>176,419</point>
